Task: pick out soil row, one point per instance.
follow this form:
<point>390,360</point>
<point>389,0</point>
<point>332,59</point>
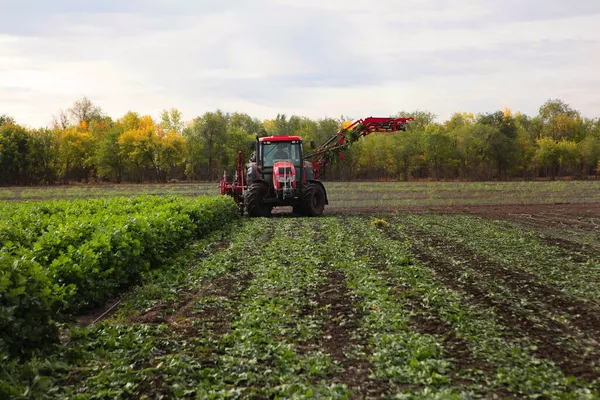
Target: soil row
<point>556,341</point>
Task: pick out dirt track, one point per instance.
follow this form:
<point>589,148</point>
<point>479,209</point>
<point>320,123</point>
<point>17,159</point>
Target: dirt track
<point>565,213</point>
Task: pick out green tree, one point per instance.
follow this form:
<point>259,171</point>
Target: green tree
<point>206,138</point>
<point>498,133</point>
<point>172,120</point>
<point>110,158</point>
<point>552,154</point>
<point>14,151</point>
<point>422,119</point>
<point>559,119</point>
<point>44,155</point>
<point>405,148</point>
<point>589,150</point>
<point>438,148</point>
<point>5,119</point>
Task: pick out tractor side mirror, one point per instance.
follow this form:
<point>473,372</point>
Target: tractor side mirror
<point>252,146</point>
<point>313,145</point>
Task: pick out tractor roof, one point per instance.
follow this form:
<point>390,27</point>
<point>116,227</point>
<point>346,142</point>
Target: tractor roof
<point>280,138</point>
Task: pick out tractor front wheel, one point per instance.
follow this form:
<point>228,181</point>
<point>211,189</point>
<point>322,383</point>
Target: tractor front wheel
<point>255,206</point>
<point>313,200</point>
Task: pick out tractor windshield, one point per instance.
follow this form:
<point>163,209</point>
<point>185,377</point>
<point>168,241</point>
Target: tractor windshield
<point>281,151</point>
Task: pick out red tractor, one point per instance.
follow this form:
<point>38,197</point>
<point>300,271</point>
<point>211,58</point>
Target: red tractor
<point>279,174</point>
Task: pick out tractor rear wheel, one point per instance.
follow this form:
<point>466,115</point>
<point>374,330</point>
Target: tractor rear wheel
<point>255,206</point>
<point>313,200</point>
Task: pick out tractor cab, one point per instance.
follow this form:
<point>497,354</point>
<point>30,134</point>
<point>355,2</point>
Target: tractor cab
<point>275,149</point>
<point>279,161</point>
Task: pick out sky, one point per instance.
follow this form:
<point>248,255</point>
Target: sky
<point>325,58</point>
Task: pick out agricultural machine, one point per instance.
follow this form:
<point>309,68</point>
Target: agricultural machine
<point>279,174</point>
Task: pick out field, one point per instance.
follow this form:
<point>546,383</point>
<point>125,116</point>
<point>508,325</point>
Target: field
<point>426,290</point>
<point>355,196</point>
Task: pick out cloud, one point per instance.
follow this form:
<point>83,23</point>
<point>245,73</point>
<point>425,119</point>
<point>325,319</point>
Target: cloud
<point>314,58</point>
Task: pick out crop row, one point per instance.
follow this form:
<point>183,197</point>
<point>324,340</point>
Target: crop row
<point>502,362</point>
<point>511,246</point>
<point>60,257</point>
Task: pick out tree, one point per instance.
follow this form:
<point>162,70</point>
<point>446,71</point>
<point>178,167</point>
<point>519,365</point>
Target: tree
<point>589,150</point>
<point>76,149</point>
<point>14,149</point>
<point>5,119</point>
<point>438,148</point>
<point>552,154</point>
<point>171,120</point>
<point>422,119</point>
<point>559,119</point>
<point>498,132</point>
<point>405,147</point>
<point>109,156</point>
<point>140,146</point>
<point>61,121</point>
<point>44,155</point>
<point>85,110</point>
<point>206,145</point>
<point>171,152</point>
<point>251,126</point>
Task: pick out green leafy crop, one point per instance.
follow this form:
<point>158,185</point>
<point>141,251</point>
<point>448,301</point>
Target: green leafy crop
<point>60,257</point>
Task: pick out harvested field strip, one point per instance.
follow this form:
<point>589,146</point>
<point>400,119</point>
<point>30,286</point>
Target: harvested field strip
<point>556,220</point>
<point>263,356</point>
<point>516,249</point>
<point>515,367</point>
<point>402,358</point>
<point>569,339</point>
<point>162,289</point>
<point>578,237</point>
<point>178,320</point>
<point>166,285</point>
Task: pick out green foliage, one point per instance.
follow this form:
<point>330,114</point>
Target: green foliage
<point>27,296</point>
<point>15,145</point>
<point>553,154</point>
<point>438,148</point>
<point>559,119</point>
<point>59,257</point>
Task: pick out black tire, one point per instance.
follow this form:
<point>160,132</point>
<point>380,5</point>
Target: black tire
<point>313,200</point>
<point>255,206</point>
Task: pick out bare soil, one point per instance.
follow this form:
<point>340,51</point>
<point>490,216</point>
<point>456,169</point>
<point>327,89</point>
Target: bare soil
<point>342,325</point>
<point>575,212</point>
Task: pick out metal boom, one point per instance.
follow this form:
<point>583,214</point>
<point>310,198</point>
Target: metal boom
<point>347,136</point>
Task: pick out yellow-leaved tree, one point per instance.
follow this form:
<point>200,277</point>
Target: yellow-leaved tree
<point>146,145</point>
<point>76,151</point>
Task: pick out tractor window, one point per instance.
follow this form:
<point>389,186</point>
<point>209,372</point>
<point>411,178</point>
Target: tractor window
<point>280,151</point>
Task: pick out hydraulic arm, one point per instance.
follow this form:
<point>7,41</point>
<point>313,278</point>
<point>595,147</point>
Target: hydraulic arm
<point>347,136</point>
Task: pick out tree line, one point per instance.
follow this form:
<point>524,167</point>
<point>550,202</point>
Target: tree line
<point>86,145</point>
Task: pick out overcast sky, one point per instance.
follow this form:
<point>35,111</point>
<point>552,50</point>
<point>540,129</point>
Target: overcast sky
<point>317,58</point>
